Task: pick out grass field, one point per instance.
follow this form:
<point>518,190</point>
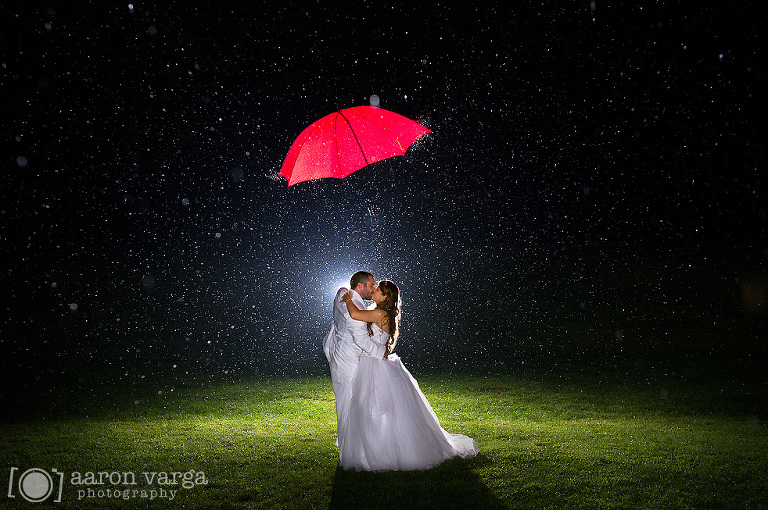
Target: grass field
<point>545,442</point>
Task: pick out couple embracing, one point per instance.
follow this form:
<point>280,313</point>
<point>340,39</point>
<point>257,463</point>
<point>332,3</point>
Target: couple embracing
<point>384,422</point>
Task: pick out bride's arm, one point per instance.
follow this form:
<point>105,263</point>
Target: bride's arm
<point>361,315</point>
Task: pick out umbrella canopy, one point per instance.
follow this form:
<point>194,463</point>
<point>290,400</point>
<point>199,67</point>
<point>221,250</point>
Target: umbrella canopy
<point>347,140</point>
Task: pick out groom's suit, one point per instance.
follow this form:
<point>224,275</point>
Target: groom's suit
<point>343,345</point>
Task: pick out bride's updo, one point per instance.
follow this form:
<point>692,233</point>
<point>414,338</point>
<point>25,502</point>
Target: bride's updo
<point>391,305</point>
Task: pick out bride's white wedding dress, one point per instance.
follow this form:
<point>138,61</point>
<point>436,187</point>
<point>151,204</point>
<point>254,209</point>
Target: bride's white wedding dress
<point>391,426</point>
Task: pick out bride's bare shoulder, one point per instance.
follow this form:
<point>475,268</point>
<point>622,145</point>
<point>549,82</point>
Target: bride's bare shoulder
<point>380,314</point>
<point>383,322</point>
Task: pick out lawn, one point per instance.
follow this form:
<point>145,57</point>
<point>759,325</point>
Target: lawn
<point>546,442</point>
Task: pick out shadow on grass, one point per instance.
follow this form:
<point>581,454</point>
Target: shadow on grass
<point>452,484</point>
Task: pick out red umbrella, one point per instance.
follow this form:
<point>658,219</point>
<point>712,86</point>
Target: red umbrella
<point>347,140</point>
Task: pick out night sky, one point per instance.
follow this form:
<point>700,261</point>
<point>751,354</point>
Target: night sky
<point>592,192</point>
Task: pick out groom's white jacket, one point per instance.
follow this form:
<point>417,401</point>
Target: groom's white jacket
<point>348,337</point>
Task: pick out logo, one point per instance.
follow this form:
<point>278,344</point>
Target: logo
<point>36,485</point>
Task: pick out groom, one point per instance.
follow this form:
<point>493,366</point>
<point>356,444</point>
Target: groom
<point>345,342</point>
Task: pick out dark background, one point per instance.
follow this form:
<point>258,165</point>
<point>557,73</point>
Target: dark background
<point>591,198</point>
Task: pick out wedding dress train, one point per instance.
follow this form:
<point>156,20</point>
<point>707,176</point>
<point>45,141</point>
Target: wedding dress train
<point>391,425</point>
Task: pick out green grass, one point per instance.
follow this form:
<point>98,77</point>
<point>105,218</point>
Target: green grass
<point>545,443</point>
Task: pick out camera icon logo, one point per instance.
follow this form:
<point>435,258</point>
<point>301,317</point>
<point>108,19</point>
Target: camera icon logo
<point>36,485</point>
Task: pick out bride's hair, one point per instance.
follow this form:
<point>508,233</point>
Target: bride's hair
<point>391,305</point>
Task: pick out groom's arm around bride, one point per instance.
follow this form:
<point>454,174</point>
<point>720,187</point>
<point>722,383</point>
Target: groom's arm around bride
<point>358,330</point>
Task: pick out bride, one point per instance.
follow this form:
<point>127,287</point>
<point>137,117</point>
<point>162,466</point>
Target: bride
<point>391,426</point>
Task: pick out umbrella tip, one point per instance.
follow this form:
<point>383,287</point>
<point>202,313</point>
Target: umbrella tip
<point>374,100</point>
